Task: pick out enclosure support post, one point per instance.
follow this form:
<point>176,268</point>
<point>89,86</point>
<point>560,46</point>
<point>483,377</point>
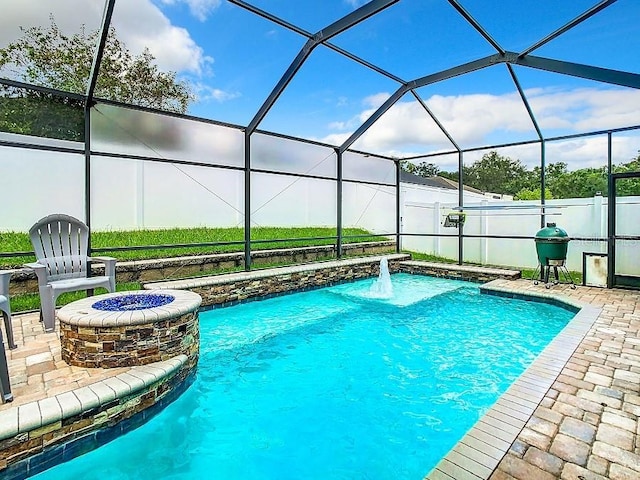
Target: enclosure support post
<point>87,173</point>
<point>247,201</point>
<point>543,183</point>
<point>437,228</point>
<point>461,205</point>
<point>611,207</point>
<point>398,208</point>
<point>107,13</point>
<point>339,203</point>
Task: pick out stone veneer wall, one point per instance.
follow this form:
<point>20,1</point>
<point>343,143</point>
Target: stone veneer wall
<point>234,288</point>
<point>29,453</point>
<point>24,280</point>
<point>461,272</point>
<point>129,345</point>
<point>237,291</point>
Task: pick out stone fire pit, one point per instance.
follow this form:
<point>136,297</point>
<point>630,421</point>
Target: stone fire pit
<point>130,328</point>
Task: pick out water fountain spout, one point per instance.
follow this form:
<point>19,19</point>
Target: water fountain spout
<point>382,287</point>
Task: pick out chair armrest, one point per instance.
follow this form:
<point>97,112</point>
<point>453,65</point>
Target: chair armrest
<point>109,264</point>
<point>5,276</point>
<point>41,272</point>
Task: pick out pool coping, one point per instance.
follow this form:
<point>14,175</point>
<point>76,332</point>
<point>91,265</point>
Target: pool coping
<point>479,452</point>
<point>30,416</point>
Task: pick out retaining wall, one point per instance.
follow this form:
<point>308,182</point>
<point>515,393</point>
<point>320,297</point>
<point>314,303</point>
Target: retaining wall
<point>221,290</point>
<point>24,280</point>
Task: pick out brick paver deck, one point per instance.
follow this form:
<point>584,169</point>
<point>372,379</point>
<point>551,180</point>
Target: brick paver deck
<point>36,367</point>
<point>585,428</point>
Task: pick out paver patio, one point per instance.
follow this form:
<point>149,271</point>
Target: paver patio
<point>36,367</point>
<point>586,427</point>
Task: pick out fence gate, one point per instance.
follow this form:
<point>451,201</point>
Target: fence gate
<point>624,230</point>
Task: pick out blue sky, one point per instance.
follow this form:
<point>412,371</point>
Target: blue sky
<point>234,59</point>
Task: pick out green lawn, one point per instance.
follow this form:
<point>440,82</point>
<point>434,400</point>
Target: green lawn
<point>19,241</point>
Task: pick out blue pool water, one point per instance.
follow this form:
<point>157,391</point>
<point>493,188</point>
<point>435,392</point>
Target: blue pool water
<point>330,384</point>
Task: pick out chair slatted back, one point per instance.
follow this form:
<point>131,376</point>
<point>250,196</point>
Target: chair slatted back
<point>60,242</point>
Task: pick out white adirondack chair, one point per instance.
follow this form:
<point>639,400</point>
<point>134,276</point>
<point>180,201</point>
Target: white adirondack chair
<point>5,385</point>
<point>61,244</point>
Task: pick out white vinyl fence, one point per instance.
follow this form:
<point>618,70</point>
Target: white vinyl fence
<point>133,194</point>
<point>583,218</point>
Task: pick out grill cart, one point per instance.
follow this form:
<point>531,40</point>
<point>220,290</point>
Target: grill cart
<point>551,246</point>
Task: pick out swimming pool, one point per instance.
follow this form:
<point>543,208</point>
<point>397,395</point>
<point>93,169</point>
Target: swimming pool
<point>334,384</point>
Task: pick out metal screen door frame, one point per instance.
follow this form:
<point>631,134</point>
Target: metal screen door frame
<point>614,280</point>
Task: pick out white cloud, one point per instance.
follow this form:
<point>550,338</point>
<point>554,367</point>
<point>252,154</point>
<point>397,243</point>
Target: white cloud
<point>139,24</point>
<point>355,3</point>
<point>206,93</point>
<point>585,109</point>
<point>374,101</point>
<point>583,152</point>
<point>592,151</point>
<point>336,138</point>
<point>469,119</point>
<point>69,15</point>
<point>338,126</point>
<point>198,8</point>
<point>477,119</point>
<point>172,46</point>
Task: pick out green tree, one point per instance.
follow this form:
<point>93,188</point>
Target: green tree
<point>43,115</point>
<point>423,169</point>
<point>553,173</point>
<point>498,174</point>
<point>450,175</point>
<point>533,194</point>
<point>47,57</point>
<point>585,182</point>
<point>629,186</point>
